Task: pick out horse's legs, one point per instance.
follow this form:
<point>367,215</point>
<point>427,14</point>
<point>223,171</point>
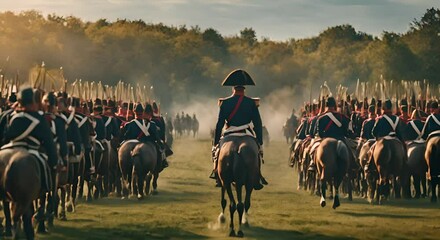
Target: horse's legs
<point>331,190</point>
<point>62,215</point>
<point>155,177</point>
<point>416,180</point>
<point>423,179</point>
<point>140,184</point>
<point>40,214</point>
<point>76,173</point>
<point>27,222</point>
<point>118,183</point>
<point>337,181</point>
<point>434,182</point>
<point>232,208</point>
<point>240,208</point>
<point>8,224</point>
<point>15,219</point>
<point>323,189</point>
<point>247,204</point>
<point>221,217</point>
<point>149,176</point>
<point>397,186</point>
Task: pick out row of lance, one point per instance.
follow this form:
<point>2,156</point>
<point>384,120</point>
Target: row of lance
<point>415,92</point>
<point>53,80</point>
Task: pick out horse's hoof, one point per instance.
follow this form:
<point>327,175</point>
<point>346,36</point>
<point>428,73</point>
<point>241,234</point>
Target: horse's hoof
<point>69,208</point>
<point>7,233</point>
<point>140,197</point>
<point>232,233</point>
<point>240,234</point>
<point>221,218</point>
<point>336,203</point>
<point>350,198</point>
<point>323,203</point>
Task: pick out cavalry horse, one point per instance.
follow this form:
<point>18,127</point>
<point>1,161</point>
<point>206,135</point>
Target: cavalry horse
<point>390,158</point>
<point>145,167</point>
<point>432,156</point>
<point>138,163</point>
<point>21,185</point>
<point>332,161</point>
<point>417,167</point>
<point>364,155</point>
<point>238,163</point>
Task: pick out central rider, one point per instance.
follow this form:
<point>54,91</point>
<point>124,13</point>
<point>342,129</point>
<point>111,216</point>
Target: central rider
<point>238,111</point>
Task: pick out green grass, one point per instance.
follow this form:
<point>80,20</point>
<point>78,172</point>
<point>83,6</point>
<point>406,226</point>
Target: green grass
<point>188,205</point>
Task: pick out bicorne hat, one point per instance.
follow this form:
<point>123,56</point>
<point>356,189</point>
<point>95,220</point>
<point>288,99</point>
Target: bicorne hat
<point>238,77</point>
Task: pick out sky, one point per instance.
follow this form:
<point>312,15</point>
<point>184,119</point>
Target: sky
<point>274,19</point>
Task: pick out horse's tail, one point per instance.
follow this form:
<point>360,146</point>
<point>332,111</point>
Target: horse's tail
<point>238,167</point>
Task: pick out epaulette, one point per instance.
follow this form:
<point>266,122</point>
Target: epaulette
<point>257,101</point>
<point>220,101</point>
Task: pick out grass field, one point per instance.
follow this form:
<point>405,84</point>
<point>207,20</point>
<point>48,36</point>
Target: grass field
<point>188,205</point>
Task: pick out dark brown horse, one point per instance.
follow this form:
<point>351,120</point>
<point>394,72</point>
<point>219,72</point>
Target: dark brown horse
<point>417,167</point>
<point>332,161</point>
<point>238,163</point>
<point>126,165</point>
<point>21,185</point>
<point>432,157</point>
<point>145,168</point>
<point>390,158</point>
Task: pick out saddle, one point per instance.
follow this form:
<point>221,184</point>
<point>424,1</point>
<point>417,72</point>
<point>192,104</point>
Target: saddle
<point>240,131</point>
<point>41,158</point>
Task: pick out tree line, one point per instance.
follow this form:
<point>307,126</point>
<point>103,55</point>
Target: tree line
<point>181,61</point>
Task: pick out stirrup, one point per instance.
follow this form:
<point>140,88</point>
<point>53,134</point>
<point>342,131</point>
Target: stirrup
<point>213,174</point>
<point>263,180</point>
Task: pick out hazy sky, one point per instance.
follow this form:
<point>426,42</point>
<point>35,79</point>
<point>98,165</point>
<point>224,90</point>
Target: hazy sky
<point>276,19</point>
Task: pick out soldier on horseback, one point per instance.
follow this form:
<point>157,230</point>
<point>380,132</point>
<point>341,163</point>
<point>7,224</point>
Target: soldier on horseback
<point>238,112</point>
<point>161,130</point>
<point>27,128</point>
<point>432,123</point>
<point>141,128</point>
<point>332,123</point>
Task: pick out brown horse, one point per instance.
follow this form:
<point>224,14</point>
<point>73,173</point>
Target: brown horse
<point>363,157</point>
<point>332,161</point>
<point>126,165</point>
<point>22,185</point>
<point>145,167</point>
<point>390,158</point>
<point>417,167</point>
<point>238,163</point>
<point>432,156</point>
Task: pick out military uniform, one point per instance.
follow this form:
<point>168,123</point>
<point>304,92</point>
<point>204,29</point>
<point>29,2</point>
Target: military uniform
<point>141,130</point>
<point>367,128</point>
<point>302,128</point>
<point>333,124</point>
<point>413,130</point>
<point>244,115</point>
<point>432,124</point>
<point>387,124</point>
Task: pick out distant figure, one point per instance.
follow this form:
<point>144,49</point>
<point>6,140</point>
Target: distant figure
<point>195,126</point>
<point>169,132</point>
<point>266,137</point>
